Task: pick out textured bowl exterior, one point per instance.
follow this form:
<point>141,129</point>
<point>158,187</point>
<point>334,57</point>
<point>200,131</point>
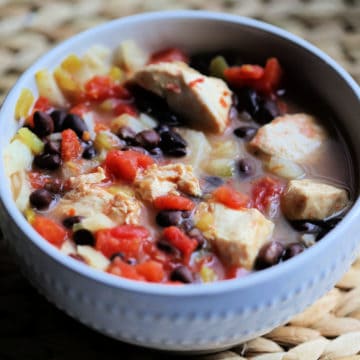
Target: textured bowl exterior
<point>194,318</point>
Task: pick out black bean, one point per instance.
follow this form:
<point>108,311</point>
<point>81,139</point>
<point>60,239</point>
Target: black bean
<point>177,152</point>
<point>136,148</point>
<point>267,112</point>
<point>183,274</point>
<point>162,128</point>
<point>47,161</point>
<point>248,100</point>
<point>70,221</point>
<point>187,225</point>
<point>118,254</point>
<point>246,166</point>
<point>262,110</point>
<point>293,250</point>
<point>269,255</point>
<point>186,214</point>
<point>76,123</point>
<point>171,139</point>
<point>127,134</point>
<point>156,152</point>
<point>41,199</point>
<point>43,124</point>
<point>166,247</point>
<point>58,117</point>
<point>245,132</point>
<point>149,139</point>
<point>84,237</point>
<point>196,234</point>
<point>89,152</point>
<point>306,226</point>
<point>154,106</point>
<point>55,185</point>
<point>214,181</point>
<point>52,147</point>
<point>168,218</point>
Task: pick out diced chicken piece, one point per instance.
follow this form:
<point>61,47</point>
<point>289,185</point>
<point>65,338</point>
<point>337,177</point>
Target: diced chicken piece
<point>157,180</point>
<point>125,209</point>
<point>92,200</point>
<point>203,101</point>
<point>310,200</point>
<point>292,137</point>
<point>237,235</point>
<point>90,178</point>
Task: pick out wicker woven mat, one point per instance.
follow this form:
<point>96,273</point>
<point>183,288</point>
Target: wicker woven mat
<point>33,329</point>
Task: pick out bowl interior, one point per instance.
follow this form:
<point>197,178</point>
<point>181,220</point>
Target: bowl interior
<point>195,32</point>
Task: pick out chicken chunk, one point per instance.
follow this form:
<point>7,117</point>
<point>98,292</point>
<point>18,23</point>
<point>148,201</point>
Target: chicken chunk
<point>91,200</point>
<point>310,200</point>
<point>90,178</point>
<point>203,101</point>
<point>167,179</point>
<point>237,235</point>
<point>291,137</point>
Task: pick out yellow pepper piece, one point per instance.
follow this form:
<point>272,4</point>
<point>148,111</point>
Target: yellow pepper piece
<point>24,104</point>
<point>72,64</point>
<point>205,222</point>
<point>66,83</point>
<point>116,74</point>
<point>29,215</point>
<point>27,137</point>
<point>207,274</point>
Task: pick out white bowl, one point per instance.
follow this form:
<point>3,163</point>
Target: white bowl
<point>205,317</point>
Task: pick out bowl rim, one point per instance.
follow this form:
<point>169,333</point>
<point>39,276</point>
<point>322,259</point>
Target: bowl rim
<point>219,287</point>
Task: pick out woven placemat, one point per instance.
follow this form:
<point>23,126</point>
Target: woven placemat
<point>30,327</point>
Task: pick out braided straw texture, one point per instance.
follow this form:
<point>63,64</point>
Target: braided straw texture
<point>33,329</point>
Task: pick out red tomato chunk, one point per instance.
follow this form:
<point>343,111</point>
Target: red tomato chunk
<point>125,239</point>
<point>169,55</point>
<point>173,202</point>
<point>181,241</point>
<point>231,198</point>
<point>70,145</point>
<point>266,195</point>
<point>125,164</point>
<point>54,233</point>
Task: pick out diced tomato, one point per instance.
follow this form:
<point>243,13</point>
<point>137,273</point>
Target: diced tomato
<point>70,145</point>
<point>231,198</point>
<point>125,239</point>
<point>42,104</point>
<point>266,194</point>
<point>98,88</point>
<point>239,75</point>
<point>37,180</point>
<point>121,268</point>
<point>54,233</point>
<point>168,55</point>
<point>152,271</point>
<point>130,232</point>
<point>173,202</point>
<point>265,80</point>
<point>180,240</point>
<point>103,87</point>
<point>125,109</point>
<point>270,81</point>
<point>125,164</point>
<point>80,109</point>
